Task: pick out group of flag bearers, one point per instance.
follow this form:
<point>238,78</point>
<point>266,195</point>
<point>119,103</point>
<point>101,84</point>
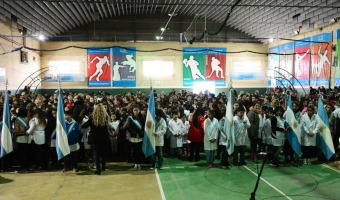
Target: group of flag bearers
<point>301,132</point>
<point>306,131</point>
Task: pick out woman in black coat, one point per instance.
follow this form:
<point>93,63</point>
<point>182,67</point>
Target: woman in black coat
<point>99,138</point>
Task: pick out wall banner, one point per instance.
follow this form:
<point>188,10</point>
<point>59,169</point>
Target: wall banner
<point>247,76</point>
<point>124,67</point>
<point>98,67</point>
<point>273,64</point>
<point>285,70</point>
<point>337,68</point>
<point>321,59</point>
<point>2,74</point>
<point>204,65</point>
<point>302,61</point>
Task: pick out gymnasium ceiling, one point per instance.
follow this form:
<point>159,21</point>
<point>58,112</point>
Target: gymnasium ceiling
<point>142,20</point>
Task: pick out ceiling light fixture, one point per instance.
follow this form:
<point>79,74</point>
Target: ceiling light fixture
<point>172,14</point>
<point>41,37</point>
<point>333,20</point>
<point>159,37</point>
<point>166,25</point>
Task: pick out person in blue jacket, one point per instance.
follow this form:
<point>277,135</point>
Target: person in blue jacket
<point>73,130</point>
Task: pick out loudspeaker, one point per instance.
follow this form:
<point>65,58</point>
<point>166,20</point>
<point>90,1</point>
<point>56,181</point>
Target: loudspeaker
<point>335,62</point>
<point>23,56</point>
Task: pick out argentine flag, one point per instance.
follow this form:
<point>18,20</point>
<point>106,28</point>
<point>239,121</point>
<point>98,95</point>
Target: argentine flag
<point>229,124</point>
<point>294,131</point>
<point>6,130</point>
<point>323,137</point>
<point>62,146</point>
<point>149,137</point>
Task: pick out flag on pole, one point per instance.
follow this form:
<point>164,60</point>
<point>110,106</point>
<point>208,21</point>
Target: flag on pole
<point>229,124</point>
<point>294,131</point>
<point>148,145</point>
<point>6,130</point>
<point>323,138</point>
<point>62,146</point>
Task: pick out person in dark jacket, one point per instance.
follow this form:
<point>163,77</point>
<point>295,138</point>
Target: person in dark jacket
<point>253,131</point>
<point>79,105</point>
<point>99,138</point>
<point>134,127</point>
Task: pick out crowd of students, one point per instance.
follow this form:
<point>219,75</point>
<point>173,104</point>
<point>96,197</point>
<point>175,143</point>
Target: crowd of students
<point>103,126</point>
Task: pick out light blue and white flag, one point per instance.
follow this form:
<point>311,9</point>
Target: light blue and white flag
<point>323,138</point>
<point>62,146</point>
<point>229,124</point>
<point>294,131</point>
<point>6,130</point>
<point>149,137</point>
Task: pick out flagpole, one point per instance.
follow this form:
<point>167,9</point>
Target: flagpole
<point>230,86</point>
<point>59,92</point>
<point>252,195</point>
<point>6,93</point>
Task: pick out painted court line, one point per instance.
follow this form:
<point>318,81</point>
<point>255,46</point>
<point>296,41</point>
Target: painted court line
<point>180,167</point>
<point>279,191</point>
<point>160,185</point>
<point>330,168</point>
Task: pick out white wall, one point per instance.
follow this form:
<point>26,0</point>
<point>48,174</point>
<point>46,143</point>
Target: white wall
<point>16,71</point>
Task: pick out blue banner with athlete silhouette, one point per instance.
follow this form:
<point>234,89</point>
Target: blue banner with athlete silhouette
<point>124,67</point>
<point>98,67</point>
<point>273,64</point>
<point>321,54</point>
<point>284,72</point>
<point>336,60</point>
<point>204,64</point>
<point>302,62</point>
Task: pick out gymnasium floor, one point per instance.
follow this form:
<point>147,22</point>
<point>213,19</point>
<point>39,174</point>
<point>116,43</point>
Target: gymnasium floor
<point>178,180</point>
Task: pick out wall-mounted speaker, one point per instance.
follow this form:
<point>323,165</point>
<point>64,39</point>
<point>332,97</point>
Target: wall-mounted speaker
<point>333,47</point>
<point>335,62</point>
<point>23,56</point>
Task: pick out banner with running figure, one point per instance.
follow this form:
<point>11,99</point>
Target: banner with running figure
<point>337,68</point>
<point>98,67</point>
<point>124,67</point>
<point>302,62</point>
<point>285,70</point>
<point>273,64</point>
<point>204,65</point>
<point>321,59</point>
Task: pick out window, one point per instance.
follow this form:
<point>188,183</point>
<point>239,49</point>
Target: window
<point>158,69</point>
<point>70,67</point>
<point>204,86</point>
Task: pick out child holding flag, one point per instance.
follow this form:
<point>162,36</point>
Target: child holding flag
<point>241,125</point>
<point>73,131</point>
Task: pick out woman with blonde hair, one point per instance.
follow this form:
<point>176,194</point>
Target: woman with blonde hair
<point>99,138</point>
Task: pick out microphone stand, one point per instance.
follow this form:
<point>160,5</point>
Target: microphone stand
<point>252,197</point>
